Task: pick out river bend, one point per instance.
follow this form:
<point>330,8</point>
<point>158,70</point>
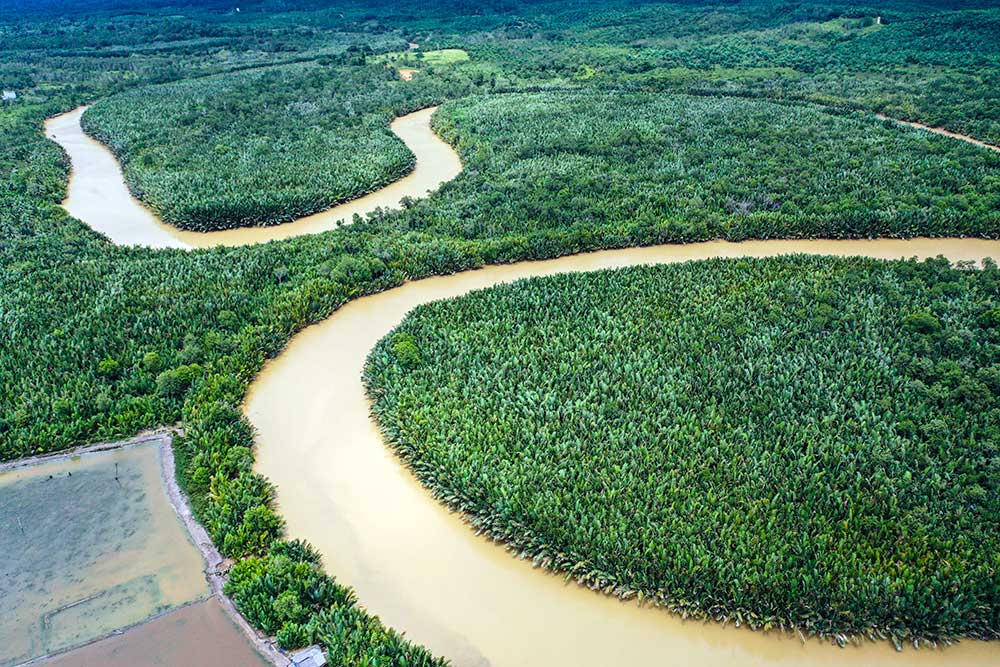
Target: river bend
<point>425,572</point>
<point>97,193</point>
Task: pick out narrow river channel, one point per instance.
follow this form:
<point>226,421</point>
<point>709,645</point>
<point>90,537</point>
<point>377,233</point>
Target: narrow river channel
<point>98,196</point>
<point>425,572</point>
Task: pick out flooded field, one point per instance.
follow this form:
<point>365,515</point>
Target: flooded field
<point>90,545</point>
<point>199,635</point>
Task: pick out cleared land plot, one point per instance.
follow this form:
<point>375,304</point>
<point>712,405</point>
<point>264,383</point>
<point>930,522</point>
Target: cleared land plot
<point>90,545</point>
<point>434,58</point>
<point>200,635</point>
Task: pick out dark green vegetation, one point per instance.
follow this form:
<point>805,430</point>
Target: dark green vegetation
<point>285,593</point>
<point>141,328</point>
<point>266,147</point>
<point>679,167</point>
<point>100,342</point>
<point>263,146</point>
<point>799,442</point>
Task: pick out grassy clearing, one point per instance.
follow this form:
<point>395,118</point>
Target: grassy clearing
<point>435,58</point>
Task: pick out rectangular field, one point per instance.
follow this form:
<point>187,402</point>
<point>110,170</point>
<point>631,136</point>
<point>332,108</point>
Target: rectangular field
<point>90,545</point>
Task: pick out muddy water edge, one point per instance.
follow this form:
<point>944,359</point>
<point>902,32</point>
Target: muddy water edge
<point>198,635</point>
<point>91,544</point>
<point>98,196</point>
<point>425,572</point>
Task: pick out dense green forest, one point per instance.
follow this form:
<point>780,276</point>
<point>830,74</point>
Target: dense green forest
<point>263,146</point>
<point>704,167</point>
<point>102,341</point>
<point>783,442</point>
<point>259,146</point>
<point>686,166</point>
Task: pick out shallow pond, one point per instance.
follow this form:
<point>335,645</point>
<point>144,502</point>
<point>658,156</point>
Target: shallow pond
<point>199,635</point>
<point>90,545</point>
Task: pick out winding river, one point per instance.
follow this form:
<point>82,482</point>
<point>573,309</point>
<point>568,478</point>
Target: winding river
<point>98,196</point>
<point>412,561</point>
<point>424,571</point>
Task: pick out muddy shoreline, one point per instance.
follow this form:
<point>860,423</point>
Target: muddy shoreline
<point>214,562</point>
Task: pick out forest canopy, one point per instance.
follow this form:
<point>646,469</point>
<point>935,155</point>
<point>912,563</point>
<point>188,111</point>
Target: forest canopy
<point>258,147</point>
<point>226,116</point>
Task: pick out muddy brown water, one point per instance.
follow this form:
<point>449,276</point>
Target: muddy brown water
<point>425,572</point>
<point>98,196</point>
<point>199,635</point>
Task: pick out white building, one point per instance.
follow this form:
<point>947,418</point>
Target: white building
<point>309,657</point>
<point>8,95</point>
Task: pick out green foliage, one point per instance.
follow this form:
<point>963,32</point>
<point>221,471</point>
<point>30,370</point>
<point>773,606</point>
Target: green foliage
<point>756,440</point>
<point>294,635</point>
<point>239,516</point>
<point>355,638</point>
<point>227,148</point>
<point>108,367</point>
<point>405,349</point>
<point>260,147</point>
<point>922,322</point>
<point>175,382</point>
<point>275,589</point>
<point>685,168</point>
<point>152,362</point>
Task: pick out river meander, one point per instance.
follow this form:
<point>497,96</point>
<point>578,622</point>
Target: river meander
<point>415,564</point>
<point>98,196</point>
<point>425,572</point>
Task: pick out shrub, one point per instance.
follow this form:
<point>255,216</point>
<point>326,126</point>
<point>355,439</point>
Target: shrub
<point>405,349</point>
<point>152,362</point>
<point>922,322</point>
<point>175,382</point>
<point>108,367</point>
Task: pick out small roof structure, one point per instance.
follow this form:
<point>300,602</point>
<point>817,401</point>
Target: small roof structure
<point>309,657</point>
<point>9,95</point>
